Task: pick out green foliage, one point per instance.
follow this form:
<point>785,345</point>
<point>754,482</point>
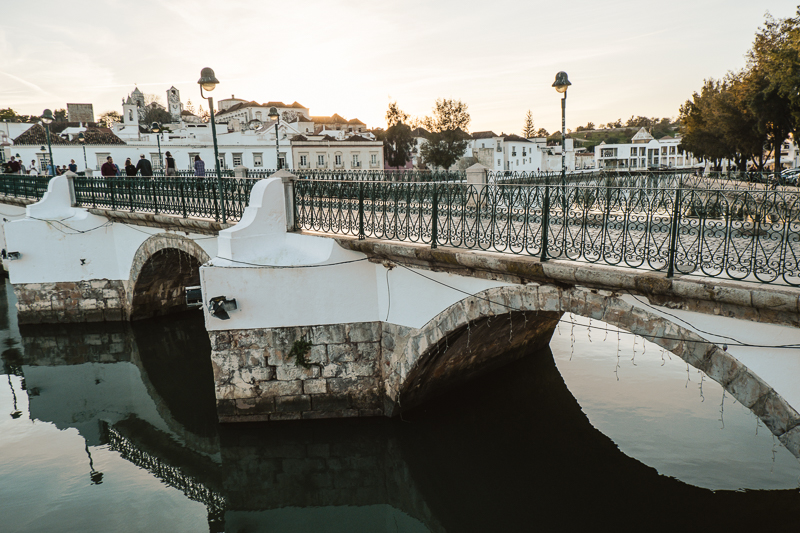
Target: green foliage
<point>528,130</point>
<point>60,115</point>
<point>448,133</point>
<point>299,351</point>
<point>108,118</point>
<point>398,142</point>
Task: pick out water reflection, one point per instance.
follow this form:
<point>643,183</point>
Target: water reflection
<point>118,433</point>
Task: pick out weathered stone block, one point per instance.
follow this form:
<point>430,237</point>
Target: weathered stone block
<point>342,353</point>
<point>331,402</point>
<point>300,402</point>
<point>791,440</point>
<point>281,388</point>
<point>290,372</point>
<point>363,332</point>
<point>329,334</point>
<point>315,386</point>
<point>748,389</point>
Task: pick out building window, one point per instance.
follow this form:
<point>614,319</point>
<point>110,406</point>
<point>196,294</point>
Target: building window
<point>633,151</point>
<point>154,157</point>
<point>191,159</point>
<point>499,148</point>
<point>237,160</point>
<point>663,150</point>
<point>514,151</point>
<point>642,151</point>
<point>499,162</point>
<point>373,159</point>
<point>303,161</point>
<point>338,160</point>
<point>282,160</point>
<point>43,159</point>
<point>222,161</point>
<point>320,160</point>
<point>355,164</point>
<point>671,150</point>
<point>258,160</point>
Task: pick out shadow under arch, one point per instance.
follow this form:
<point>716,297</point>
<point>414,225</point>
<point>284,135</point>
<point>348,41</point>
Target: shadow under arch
<point>163,265</point>
<point>437,353</point>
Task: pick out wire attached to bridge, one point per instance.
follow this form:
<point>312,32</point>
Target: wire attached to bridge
<point>279,267</point>
<point>618,330</point>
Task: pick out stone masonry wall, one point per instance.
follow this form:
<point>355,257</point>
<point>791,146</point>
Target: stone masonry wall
<point>256,380</point>
<point>78,301</point>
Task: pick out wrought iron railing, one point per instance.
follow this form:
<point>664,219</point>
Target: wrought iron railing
<point>23,186</point>
<point>739,234</point>
<point>180,196</point>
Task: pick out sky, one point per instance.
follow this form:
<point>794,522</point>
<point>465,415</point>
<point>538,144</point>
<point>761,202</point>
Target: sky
<point>354,57</point>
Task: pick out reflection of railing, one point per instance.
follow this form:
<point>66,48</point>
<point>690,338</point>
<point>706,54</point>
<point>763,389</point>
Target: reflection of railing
<point>171,475</point>
<point>730,233</point>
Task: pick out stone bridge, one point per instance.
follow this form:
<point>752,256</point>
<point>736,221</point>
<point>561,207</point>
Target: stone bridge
<point>336,327</point>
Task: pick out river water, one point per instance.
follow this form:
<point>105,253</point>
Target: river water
<point>111,427</point>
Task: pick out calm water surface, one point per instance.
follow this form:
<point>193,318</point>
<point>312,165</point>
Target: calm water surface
<point>112,428</point>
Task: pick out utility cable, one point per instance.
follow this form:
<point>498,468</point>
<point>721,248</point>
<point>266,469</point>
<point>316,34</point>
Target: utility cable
<point>619,330</point>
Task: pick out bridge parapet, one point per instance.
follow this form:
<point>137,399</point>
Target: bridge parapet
<point>361,327</point>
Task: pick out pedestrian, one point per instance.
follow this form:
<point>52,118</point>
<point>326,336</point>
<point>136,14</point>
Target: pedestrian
<point>13,166</point>
<point>130,169</point>
<point>33,170</point>
<point>63,169</point>
<point>21,167</point>
<point>109,169</point>
<point>72,166</point>
<point>199,166</point>
<point>170,165</point>
<point>144,168</point>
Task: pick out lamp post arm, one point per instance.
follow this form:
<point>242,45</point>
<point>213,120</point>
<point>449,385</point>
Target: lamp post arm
<point>277,147</point>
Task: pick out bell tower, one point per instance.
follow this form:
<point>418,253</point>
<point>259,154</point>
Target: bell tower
<point>174,103</point>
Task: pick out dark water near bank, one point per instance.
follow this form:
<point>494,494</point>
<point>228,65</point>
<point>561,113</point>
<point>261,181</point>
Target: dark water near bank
<point>112,428</point>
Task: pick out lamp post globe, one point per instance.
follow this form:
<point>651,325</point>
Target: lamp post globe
<point>47,119</point>
<point>209,81</point>
<point>274,115</point>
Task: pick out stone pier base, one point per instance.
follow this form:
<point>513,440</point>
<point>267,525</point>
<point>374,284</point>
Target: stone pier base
<point>73,301</point>
<point>257,379</point>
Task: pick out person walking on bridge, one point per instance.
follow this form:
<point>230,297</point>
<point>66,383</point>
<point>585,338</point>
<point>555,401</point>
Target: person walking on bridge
<point>109,169</point>
<point>144,167</point>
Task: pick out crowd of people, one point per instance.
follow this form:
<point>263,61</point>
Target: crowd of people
<point>109,169</point>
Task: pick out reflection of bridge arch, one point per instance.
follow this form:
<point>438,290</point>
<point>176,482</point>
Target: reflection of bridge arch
<point>441,348</point>
<point>163,265</point>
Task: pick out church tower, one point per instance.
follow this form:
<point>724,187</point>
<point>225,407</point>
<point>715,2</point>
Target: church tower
<point>130,112</point>
<point>174,104</point>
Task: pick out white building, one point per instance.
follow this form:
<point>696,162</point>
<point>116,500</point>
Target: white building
<point>324,152</point>
<point>642,153</point>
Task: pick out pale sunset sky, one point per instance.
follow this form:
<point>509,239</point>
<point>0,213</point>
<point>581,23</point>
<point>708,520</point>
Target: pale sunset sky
<point>353,57</point>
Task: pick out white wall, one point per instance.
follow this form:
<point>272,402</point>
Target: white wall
<point>62,243</point>
<point>284,279</point>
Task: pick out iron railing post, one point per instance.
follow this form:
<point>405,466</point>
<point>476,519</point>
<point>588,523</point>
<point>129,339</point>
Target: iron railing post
<point>361,235</point>
<point>673,237</point>
<point>435,216</point>
<point>545,217</point>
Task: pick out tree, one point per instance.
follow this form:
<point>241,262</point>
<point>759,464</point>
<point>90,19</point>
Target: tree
<point>289,116</point>
<point>397,139</point>
<point>541,132</point>
<point>8,115</point>
<point>528,130</point>
<point>154,113</point>
<point>394,115</point>
<point>189,107</point>
<point>448,133</point>
<point>771,85</point>
<point>60,115</point>
<point>108,118</point>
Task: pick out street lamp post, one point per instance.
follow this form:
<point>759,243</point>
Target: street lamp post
<point>208,82</point>
<point>561,84</point>
<point>155,127</point>
<point>274,115</point>
<point>82,140</point>
<point>47,118</point>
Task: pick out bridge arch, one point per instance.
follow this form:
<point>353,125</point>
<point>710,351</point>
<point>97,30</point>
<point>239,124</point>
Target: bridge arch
<point>163,265</point>
<point>439,351</point>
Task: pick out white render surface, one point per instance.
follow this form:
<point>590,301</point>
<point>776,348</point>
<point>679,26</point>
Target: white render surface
<point>62,243</point>
<point>780,367</point>
<point>262,267</point>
